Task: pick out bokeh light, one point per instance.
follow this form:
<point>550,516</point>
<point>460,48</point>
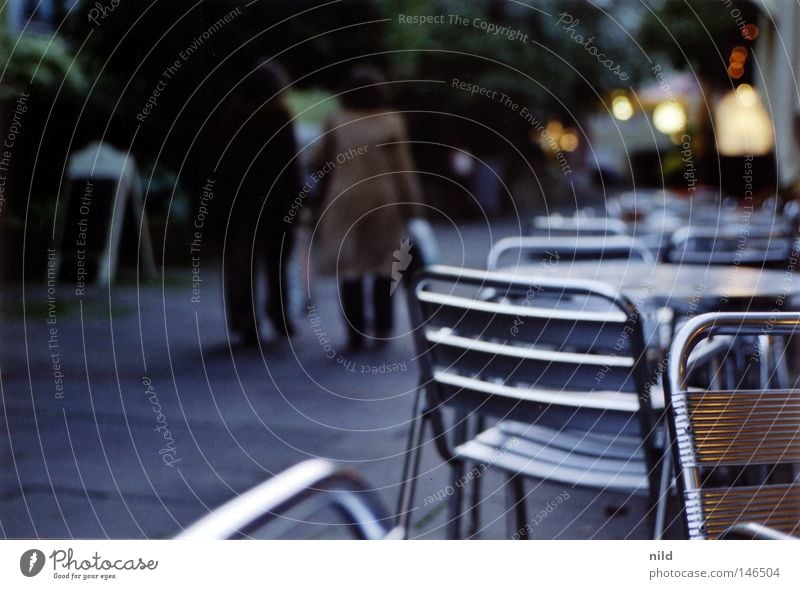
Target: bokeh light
<point>742,124</point>
<point>669,117</point>
<point>569,141</point>
<point>622,108</point>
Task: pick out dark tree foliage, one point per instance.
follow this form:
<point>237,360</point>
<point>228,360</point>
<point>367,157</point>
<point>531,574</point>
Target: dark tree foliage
<point>131,49</point>
<point>700,35</point>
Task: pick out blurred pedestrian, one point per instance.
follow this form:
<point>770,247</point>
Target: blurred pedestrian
<point>489,171</point>
<point>260,176</point>
<point>369,196</point>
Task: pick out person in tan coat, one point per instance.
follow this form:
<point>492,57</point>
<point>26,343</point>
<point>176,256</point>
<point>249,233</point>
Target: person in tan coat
<point>370,192</point>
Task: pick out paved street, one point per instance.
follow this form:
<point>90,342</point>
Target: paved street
<point>161,418</point>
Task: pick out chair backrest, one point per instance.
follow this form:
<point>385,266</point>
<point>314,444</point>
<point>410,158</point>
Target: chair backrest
<point>721,432</point>
<point>311,481</point>
<point>751,245</point>
<point>564,353</point>
<point>568,249</point>
<point>577,226</point>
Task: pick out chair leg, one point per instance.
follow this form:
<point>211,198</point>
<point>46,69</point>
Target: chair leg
<point>475,509</point>
<point>516,512</point>
<point>456,502</point>
<point>781,369</point>
<point>411,465</point>
<point>475,492</point>
<point>665,482</point>
<point>460,432</point>
<point>765,360</point>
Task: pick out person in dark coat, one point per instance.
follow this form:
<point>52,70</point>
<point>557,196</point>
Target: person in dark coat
<point>259,174</point>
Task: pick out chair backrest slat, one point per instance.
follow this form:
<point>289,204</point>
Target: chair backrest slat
<point>736,428</point>
<point>520,322</point>
<point>713,511</point>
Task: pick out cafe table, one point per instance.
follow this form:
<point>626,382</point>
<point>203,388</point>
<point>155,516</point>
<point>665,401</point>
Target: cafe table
<point>686,289</point>
<point>668,294</point>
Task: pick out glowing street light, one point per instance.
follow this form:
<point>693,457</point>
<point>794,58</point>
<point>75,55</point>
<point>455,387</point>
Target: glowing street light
<point>743,125</point>
<point>622,108</point>
<point>669,117</point>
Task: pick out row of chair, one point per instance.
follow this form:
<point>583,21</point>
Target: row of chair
<point>756,242</point>
<point>575,392</point>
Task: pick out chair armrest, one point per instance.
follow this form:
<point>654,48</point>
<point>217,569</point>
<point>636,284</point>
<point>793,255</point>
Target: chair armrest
<point>753,531</point>
<point>310,481</point>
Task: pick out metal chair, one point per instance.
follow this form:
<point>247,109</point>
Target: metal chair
<point>749,245</point>
<point>569,249</point>
<point>560,365</point>
<point>720,433</point>
<point>311,484</point>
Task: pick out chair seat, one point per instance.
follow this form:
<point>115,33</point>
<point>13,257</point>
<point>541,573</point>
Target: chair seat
<point>594,460</point>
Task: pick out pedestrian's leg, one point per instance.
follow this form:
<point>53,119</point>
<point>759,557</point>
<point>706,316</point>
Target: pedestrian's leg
<point>240,286</point>
<point>233,297</point>
<point>276,262</point>
<point>382,307</point>
<point>352,293</point>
